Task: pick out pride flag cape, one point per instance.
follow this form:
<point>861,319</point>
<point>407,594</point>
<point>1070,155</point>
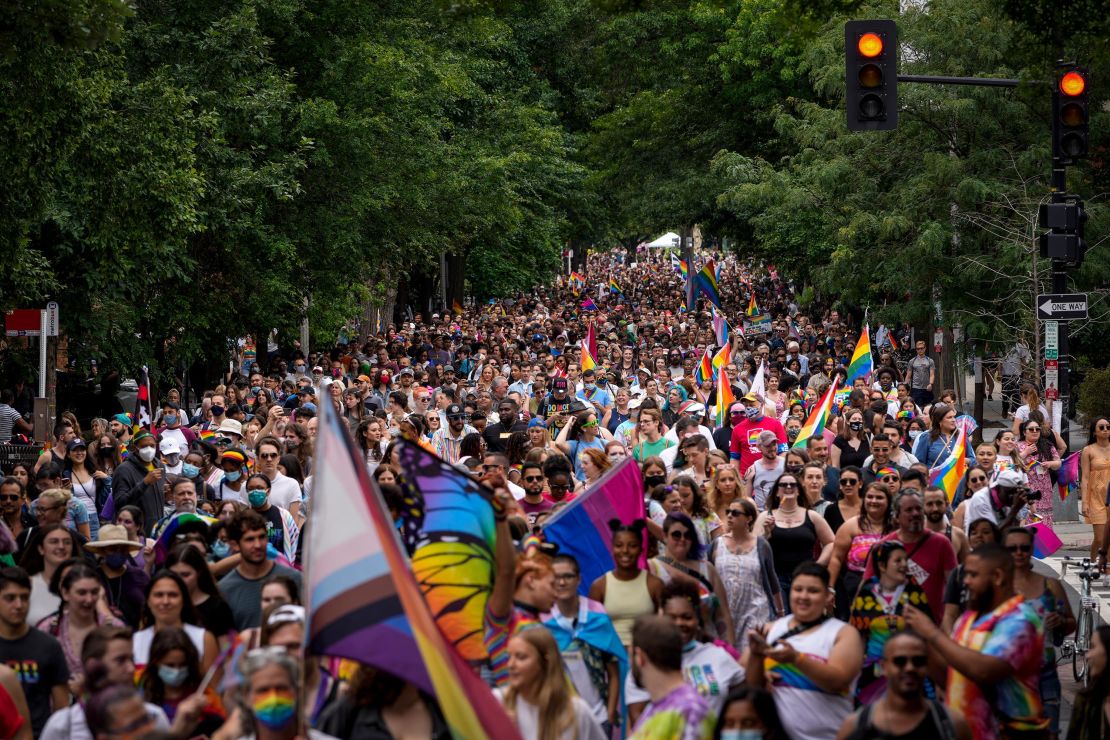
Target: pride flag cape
<point>362,601</point>
<point>951,470</point>
<point>704,371</point>
<point>721,328</point>
<point>581,528</point>
<point>725,399</point>
<point>589,304</point>
<point>1067,477</point>
<point>753,307</point>
<point>862,364</point>
<point>818,418</point>
<point>706,282</point>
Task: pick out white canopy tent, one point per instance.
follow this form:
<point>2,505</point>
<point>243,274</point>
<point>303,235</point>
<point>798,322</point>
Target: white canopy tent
<point>670,240</point>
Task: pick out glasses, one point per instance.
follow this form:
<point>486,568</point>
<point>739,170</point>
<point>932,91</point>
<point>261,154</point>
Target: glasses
<point>735,413</point>
<point>10,497</point>
<point>736,512</point>
<point>918,661</point>
<point>565,577</point>
<point>978,479</point>
<point>849,481</point>
<point>890,479</point>
<point>456,417</point>
<point>268,455</point>
<point>492,466</point>
<point>788,484</point>
<point>46,509</point>
<point>1019,548</point>
<point>1102,428</point>
<point>533,478</point>
<point>680,534</point>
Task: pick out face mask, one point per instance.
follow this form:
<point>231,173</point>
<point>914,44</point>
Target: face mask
<point>256,389</point>
<point>741,735</point>
<point>299,369</point>
<point>792,433</point>
<point>915,433</point>
<point>589,386</point>
<point>221,549</point>
<point>174,469</point>
<point>655,480</point>
<point>146,454</point>
<point>172,676</point>
<point>256,498</point>
<point>855,426</point>
<point>116,560</point>
<point>218,411</point>
<point>752,412</point>
<point>233,475</point>
<point>273,710</point>
<point>170,419</point>
<point>189,471</point>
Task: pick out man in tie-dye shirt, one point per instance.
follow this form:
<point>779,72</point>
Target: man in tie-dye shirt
<point>994,657</point>
<point>677,710</point>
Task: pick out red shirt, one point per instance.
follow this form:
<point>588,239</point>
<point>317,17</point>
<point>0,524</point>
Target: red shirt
<point>744,445</point>
<point>931,560</point>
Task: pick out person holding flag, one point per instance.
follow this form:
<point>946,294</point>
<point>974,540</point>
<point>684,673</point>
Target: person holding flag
<point>744,445</point>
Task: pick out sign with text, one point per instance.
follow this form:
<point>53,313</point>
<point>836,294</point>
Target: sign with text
<point>23,322</point>
<point>1052,340</point>
<point>1062,306</point>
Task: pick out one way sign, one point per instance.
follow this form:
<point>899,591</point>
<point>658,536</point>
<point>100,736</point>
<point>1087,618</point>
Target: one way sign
<point>1062,307</point>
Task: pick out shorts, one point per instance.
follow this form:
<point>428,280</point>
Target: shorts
<point>1050,696</point>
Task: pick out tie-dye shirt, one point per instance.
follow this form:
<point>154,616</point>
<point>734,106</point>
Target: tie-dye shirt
<point>682,714</point>
<point>498,631</point>
<point>1014,633</point>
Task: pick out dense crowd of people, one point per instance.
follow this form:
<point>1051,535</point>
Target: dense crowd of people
<point>785,581</point>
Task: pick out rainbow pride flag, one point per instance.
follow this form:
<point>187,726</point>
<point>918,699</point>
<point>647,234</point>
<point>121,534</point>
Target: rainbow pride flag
<point>753,307</point>
<point>456,307</point>
<point>1067,477</point>
<point>818,418</point>
<point>721,358</point>
<point>207,434</point>
<point>705,371</point>
<point>725,399</point>
<point>951,471</point>
<point>614,288</point>
<point>862,364</point>
<point>679,265</point>
<point>706,282</point>
<point>591,339</point>
<point>363,602</point>
<point>588,361</point>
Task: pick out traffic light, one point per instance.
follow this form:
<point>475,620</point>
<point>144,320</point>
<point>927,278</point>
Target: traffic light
<point>871,75</point>
<point>1070,120</point>
<point>1066,223</point>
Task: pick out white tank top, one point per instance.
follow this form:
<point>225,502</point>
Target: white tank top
<point>143,639</point>
<point>808,712</point>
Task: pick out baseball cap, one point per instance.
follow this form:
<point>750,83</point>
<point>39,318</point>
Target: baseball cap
<point>1009,478</point>
<point>74,443</point>
<point>364,379</point>
<point>750,397</point>
<point>537,422</point>
<point>559,384</point>
<point>454,409</point>
<point>169,446</point>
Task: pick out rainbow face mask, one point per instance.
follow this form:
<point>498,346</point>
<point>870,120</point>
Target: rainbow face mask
<point>274,709</point>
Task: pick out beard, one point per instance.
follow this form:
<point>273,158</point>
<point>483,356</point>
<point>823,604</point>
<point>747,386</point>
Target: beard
<point>935,516</point>
<point>984,602</point>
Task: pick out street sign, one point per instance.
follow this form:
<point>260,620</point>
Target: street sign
<point>1052,378</point>
<point>1062,306</point>
<point>52,319</point>
<point>1052,340</point>
<point>22,322</point>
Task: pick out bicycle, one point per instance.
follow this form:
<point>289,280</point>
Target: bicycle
<point>1086,620</point>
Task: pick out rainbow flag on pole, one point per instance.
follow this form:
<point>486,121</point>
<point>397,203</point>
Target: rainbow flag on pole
<point>679,265</point>
<point>614,288</point>
<point>721,358</point>
<point>818,418</point>
<point>705,371</point>
<point>706,282</point>
<point>753,307</point>
<point>363,602</point>
<point>725,399</point>
<point>951,471</point>
<point>862,364</point>
<point>588,361</point>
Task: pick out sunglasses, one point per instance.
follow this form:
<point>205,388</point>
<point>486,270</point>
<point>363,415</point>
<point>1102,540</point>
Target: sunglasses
<point>979,479</point>
<point>1032,429</point>
<point>268,455</point>
<point>681,534</point>
<point>849,481</point>
<point>533,478</point>
<point>1019,548</point>
<point>736,512</point>
<point>788,485</point>
<point>890,479</point>
<point>918,661</point>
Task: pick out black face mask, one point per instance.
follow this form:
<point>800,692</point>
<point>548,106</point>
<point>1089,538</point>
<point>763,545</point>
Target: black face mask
<point>654,480</point>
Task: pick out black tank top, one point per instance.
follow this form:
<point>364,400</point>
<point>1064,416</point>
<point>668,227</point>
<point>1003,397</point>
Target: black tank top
<point>792,546</point>
<point>935,725</point>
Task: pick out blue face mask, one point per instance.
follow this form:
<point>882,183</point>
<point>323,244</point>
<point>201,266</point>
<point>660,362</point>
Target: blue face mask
<point>116,560</point>
<point>172,676</point>
<point>170,419</point>
<point>189,471</point>
<point>255,389</point>
<point>233,475</point>
<point>221,549</point>
<point>256,498</point>
<point>742,734</point>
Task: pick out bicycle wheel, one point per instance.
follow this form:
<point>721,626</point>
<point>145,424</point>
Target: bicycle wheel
<point>1082,642</point>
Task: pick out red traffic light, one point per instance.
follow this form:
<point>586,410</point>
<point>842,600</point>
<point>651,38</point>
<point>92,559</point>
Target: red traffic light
<point>870,45</point>
<point>1072,84</point>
